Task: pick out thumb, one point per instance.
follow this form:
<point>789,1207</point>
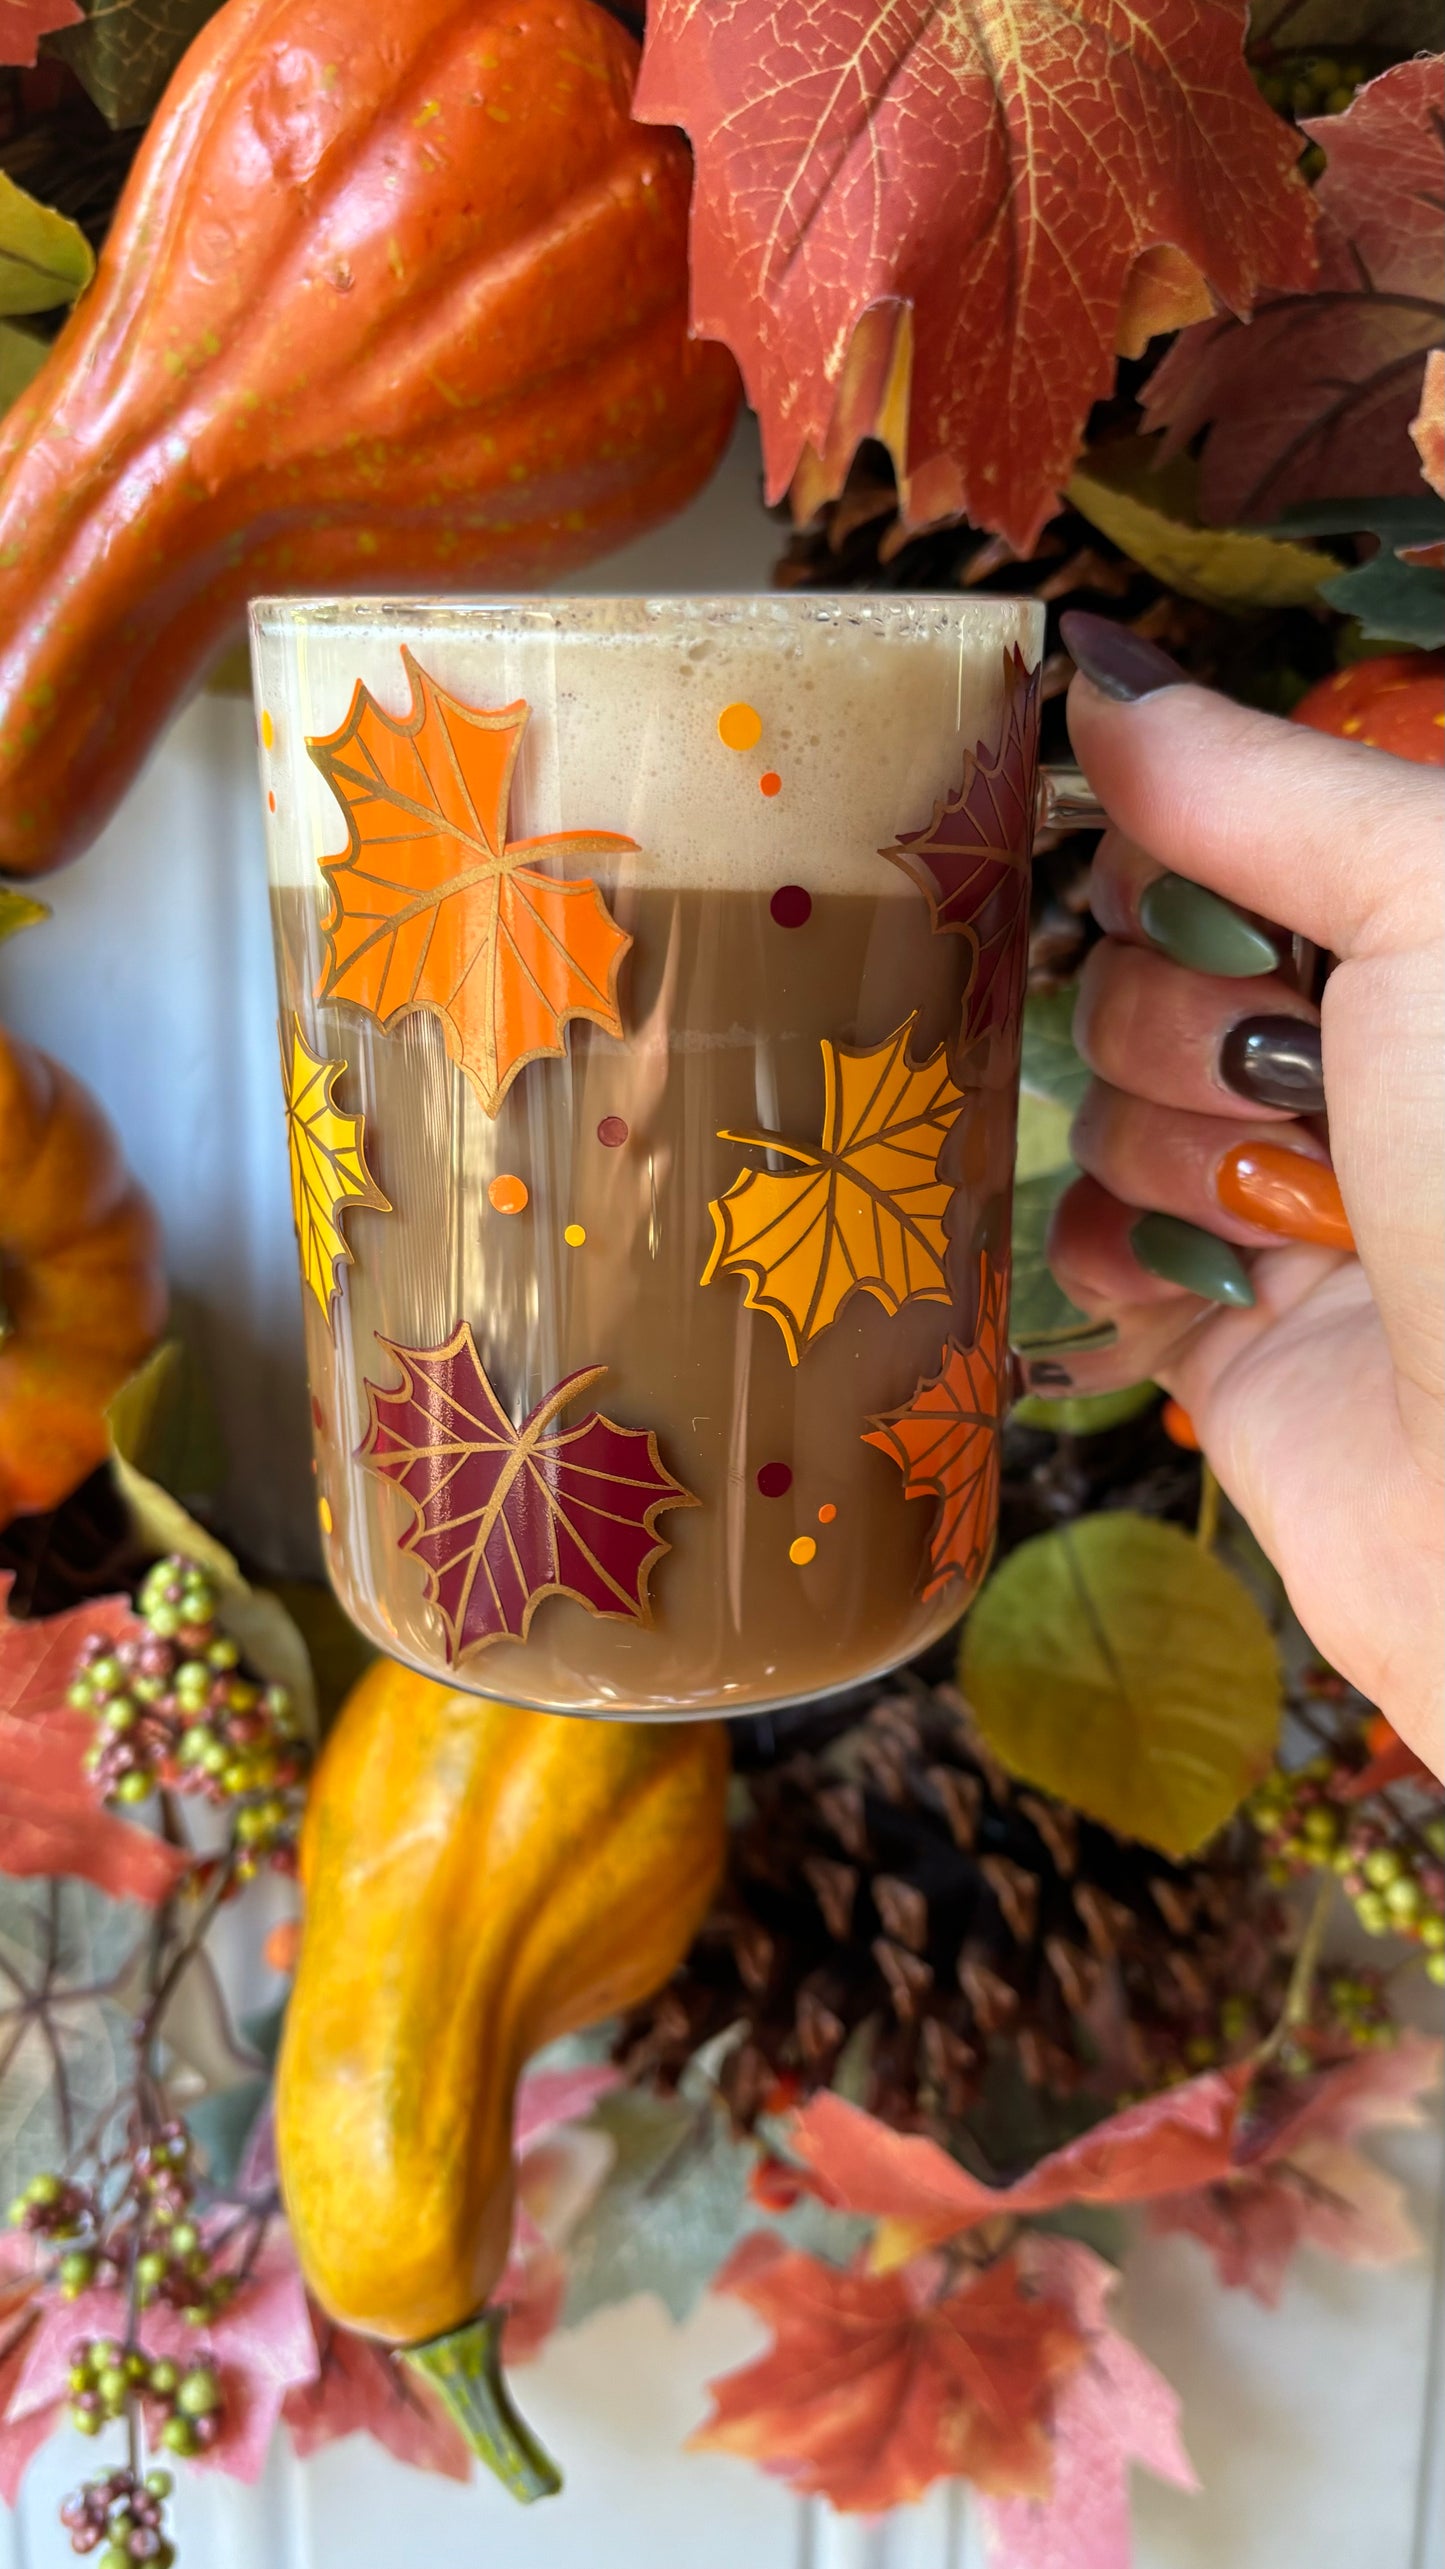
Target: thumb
<point>1333,841</point>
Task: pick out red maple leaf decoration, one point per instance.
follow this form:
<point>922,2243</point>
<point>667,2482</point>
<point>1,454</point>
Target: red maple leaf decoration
<point>972,860</point>
<point>52,1819</point>
<point>994,176</point>
<point>945,1441</point>
<point>506,1516</point>
<point>877,2385</point>
<point>361,2389</point>
<point>1314,400</point>
<point>24,22</point>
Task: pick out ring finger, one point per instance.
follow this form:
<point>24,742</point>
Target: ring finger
<point>1248,1187</point>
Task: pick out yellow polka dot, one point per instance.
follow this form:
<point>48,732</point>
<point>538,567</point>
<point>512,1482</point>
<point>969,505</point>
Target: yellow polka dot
<point>268,731</point>
<point>508,1194</point>
<point>803,1551</point>
<point>323,1510</point>
<point>740,727</point>
<point>575,1236</point>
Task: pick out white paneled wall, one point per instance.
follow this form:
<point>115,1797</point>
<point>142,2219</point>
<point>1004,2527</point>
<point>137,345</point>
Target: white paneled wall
<point>1308,2425</point>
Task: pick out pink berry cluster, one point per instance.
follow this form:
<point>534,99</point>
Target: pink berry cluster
<point>126,2513</point>
<point>1391,1864</point>
<point>174,1707</point>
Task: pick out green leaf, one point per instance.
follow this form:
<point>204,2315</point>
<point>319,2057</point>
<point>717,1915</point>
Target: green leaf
<point>1149,512</point>
<point>1395,601</point>
<point>673,2204</point>
<point>1418,518</point>
<point>222,2123</point>
<point>67,1958</point>
<point>1051,1065</point>
<point>18,911</point>
<point>127,49</point>
<point>338,1653</point>
<point>162,1420</point>
<point>45,259</point>
<point>1088,1413</point>
<point>254,1617</point>
<point>1043,1136</point>
<point>22,355</point>
<point>1040,1312</point>
<point>1116,1663</point>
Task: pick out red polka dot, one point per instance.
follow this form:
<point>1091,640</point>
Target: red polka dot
<point>770,783</point>
<point>612,1132</point>
<point>318,1416</point>
<point>791,906</point>
<point>775,1480</point>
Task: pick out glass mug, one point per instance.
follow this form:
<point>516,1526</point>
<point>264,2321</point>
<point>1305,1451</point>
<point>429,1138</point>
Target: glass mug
<point>651,978</point>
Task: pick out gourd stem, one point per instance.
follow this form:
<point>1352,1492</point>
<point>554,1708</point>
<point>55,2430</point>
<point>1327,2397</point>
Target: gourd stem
<point>465,2369</point>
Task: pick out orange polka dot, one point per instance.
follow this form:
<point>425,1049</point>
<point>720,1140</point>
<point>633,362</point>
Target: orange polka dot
<point>508,1195</point>
<point>771,783</point>
<point>740,727</point>
<point>270,802</point>
<point>827,1513</point>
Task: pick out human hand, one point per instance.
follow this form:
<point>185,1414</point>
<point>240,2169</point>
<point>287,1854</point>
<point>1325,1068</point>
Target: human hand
<point>1314,1373</point>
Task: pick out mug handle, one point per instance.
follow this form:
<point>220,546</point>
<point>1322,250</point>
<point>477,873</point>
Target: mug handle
<point>1065,801</point>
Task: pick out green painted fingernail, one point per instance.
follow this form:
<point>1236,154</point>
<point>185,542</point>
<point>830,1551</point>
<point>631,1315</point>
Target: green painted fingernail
<point>1184,1255</point>
<point>1194,927</point>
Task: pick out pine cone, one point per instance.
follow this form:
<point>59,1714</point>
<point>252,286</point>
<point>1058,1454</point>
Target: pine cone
<point>888,1875</point>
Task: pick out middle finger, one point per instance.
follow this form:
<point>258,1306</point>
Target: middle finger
<point>1191,1039</point>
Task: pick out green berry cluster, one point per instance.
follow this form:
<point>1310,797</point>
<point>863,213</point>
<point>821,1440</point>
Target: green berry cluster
<point>172,2263</point>
<point>126,2513</point>
<point>1392,1870</point>
<point>182,2403</point>
<point>173,1706</point>
<point>1310,84</point>
<point>52,2208</point>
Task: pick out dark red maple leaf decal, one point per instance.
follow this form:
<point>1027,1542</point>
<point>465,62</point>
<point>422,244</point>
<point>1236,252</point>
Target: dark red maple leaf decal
<point>972,860</point>
<point>505,1515</point>
<point>1314,399</point>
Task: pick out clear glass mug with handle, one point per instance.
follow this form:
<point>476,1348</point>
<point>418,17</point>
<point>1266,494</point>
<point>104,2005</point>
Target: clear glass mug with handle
<point>651,978</point>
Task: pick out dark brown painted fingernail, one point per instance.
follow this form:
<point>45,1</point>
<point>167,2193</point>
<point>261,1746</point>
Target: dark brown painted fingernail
<point>1119,663</point>
<point>1052,1377</point>
<point>1275,1061</point>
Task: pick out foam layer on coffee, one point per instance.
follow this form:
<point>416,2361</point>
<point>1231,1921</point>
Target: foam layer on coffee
<point>865,707</point>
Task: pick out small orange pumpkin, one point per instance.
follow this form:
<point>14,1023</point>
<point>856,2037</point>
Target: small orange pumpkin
<point>82,1290</point>
<point>1394,702</point>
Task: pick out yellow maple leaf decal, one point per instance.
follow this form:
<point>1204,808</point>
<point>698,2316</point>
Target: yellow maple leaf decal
<point>434,906</point>
<point>328,1166</point>
<point>864,1213</point>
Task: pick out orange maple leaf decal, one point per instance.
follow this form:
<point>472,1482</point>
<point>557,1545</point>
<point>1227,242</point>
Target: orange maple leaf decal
<point>986,175</point>
<point>865,1212</point>
<point>877,2385</point>
<point>433,906</point>
<point>945,1441</point>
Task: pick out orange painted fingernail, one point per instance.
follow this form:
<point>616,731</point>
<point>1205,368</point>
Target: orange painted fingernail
<point>1286,1192</point>
<point>1179,1427</point>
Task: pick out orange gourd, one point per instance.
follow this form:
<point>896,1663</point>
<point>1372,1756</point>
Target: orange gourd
<point>478,1880</point>
<point>395,298</point>
<point>82,1291</point>
<point>1394,702</point>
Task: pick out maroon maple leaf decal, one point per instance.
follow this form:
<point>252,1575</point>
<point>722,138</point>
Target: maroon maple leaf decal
<point>505,1515</point>
<point>972,860</point>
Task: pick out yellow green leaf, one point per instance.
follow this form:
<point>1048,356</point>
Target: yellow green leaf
<point>1150,514</point>
<point>329,1174</point>
<point>21,357</point>
<point>45,259</point>
<point>17,911</point>
<point>1116,1663</point>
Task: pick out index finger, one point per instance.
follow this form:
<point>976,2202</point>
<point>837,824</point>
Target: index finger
<point>1337,842</point>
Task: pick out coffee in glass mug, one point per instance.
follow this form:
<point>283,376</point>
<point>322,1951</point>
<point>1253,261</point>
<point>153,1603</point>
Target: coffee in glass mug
<point>651,976</point>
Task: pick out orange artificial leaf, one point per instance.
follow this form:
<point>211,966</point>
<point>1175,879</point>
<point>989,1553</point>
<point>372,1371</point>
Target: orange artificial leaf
<point>865,1212</point>
<point>875,2386</point>
<point>945,1441</point>
<point>434,906</point>
<point>1174,2141</point>
<point>994,170</point>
